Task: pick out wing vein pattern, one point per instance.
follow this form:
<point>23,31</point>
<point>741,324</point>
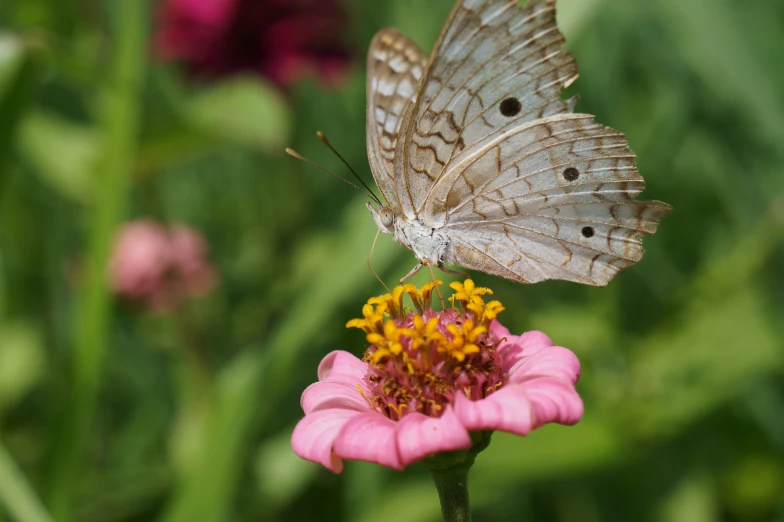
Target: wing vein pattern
<point>476,142</point>
<point>395,69</point>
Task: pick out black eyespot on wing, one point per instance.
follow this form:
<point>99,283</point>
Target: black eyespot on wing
<point>571,174</point>
<point>588,232</point>
<point>511,107</point>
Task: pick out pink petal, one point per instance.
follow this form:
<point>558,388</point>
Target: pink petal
<point>370,437</point>
<point>315,434</point>
<point>533,342</point>
<point>340,366</point>
<point>516,347</point>
<point>327,395</point>
<point>419,435</point>
<point>188,248</point>
<point>500,330</point>
<point>508,409</point>
<point>553,400</point>
<point>555,361</point>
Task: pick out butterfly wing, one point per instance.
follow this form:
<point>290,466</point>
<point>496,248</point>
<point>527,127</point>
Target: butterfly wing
<point>553,199</point>
<point>395,68</point>
<point>494,158</point>
<point>496,66</point>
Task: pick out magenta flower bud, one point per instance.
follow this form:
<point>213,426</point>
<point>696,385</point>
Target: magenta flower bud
<point>282,40</point>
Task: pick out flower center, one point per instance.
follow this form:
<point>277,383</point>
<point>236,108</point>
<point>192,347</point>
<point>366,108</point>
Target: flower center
<point>418,360</point>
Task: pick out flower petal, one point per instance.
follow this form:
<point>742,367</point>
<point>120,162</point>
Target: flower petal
<point>419,435</point>
<point>553,400</point>
<point>501,332</point>
<point>369,437</point>
<point>340,366</point>
<point>554,361</point>
<point>315,434</point>
<point>327,395</point>
<point>533,342</point>
<point>508,409</point>
<point>516,347</point>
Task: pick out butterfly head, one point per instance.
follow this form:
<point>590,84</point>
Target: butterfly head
<point>384,218</point>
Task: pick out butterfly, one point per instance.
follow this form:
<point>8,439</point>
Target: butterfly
<point>483,165</point>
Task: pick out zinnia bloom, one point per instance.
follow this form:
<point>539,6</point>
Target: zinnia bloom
<point>160,266</point>
<point>432,382</point>
<point>283,40</point>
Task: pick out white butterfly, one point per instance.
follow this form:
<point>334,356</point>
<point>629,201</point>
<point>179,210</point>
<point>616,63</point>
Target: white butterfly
<point>484,166</point>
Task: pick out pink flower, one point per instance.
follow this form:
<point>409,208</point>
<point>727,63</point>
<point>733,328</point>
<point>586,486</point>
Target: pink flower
<point>189,254</point>
<point>429,380</point>
<point>139,259</point>
<point>158,266</point>
<point>283,40</point>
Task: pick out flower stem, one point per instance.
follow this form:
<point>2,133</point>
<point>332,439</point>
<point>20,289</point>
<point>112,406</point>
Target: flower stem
<point>450,473</point>
<point>452,489</point>
<point>119,113</point>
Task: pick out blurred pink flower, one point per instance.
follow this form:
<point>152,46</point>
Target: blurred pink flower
<point>429,380</point>
<point>158,266</point>
<point>283,40</point>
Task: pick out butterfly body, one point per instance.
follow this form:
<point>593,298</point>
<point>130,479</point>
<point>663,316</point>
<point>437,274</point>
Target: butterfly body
<point>483,165</point>
<point>429,245</point>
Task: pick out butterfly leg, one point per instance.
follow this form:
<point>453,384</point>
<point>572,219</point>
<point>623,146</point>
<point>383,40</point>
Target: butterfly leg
<point>454,272</point>
<point>412,273</point>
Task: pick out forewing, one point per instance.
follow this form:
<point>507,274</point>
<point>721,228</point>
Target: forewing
<point>495,66</point>
<point>553,199</point>
<point>394,71</point>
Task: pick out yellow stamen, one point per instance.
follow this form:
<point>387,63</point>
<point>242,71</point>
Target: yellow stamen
<point>416,346</point>
<point>469,294</point>
<point>421,297</point>
<point>492,309</point>
<point>398,409</point>
<point>394,302</point>
<point>359,389</point>
<point>427,292</point>
<point>380,354</point>
<point>413,293</point>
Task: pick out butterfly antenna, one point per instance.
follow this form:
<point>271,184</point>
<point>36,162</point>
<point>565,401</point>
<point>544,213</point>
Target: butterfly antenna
<point>320,135</point>
<point>299,156</point>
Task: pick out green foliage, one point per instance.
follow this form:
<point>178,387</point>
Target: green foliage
<point>111,414</point>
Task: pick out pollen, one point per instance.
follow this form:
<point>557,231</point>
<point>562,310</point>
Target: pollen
<point>420,358</point>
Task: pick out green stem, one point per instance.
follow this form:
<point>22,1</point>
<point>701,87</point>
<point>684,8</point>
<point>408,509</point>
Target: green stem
<point>119,120</point>
<point>452,489</point>
<point>16,493</point>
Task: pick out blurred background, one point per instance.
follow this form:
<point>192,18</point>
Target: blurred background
<point>169,279</point>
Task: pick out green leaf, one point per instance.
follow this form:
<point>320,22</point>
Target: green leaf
<point>64,153</point>
<point>16,493</point>
<point>575,16</point>
<point>22,361</point>
<point>711,356</point>
<point>11,53</point>
<point>203,498</point>
<point>710,35</point>
<point>693,499</point>
<point>244,110</point>
<point>20,69</point>
<point>280,473</point>
<point>548,452</point>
